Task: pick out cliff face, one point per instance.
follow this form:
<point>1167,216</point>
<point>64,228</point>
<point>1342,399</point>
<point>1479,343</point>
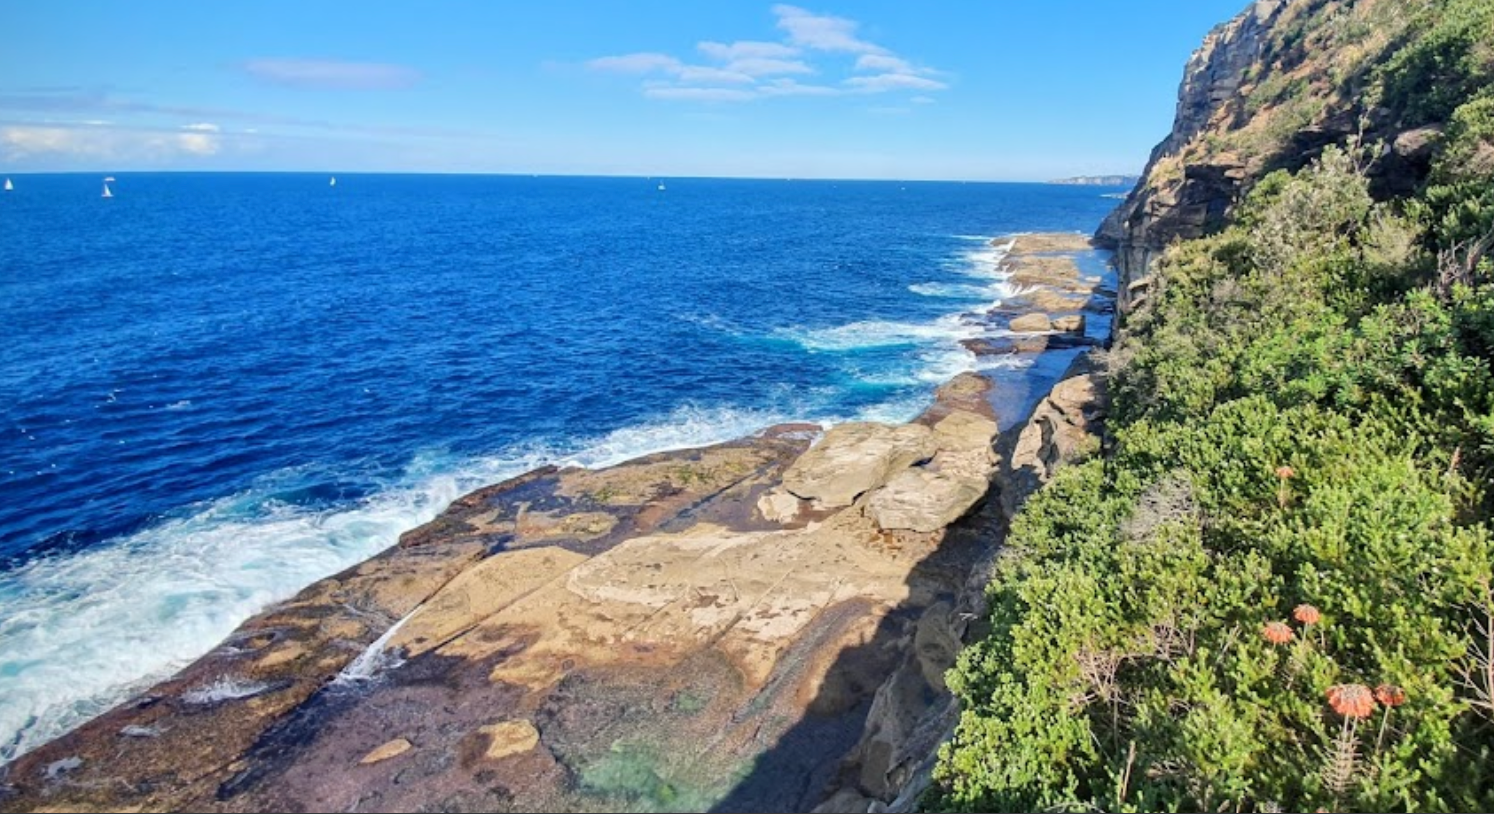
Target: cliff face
<point>1267,90</point>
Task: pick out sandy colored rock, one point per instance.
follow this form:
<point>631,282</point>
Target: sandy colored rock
<point>393,748</point>
<point>509,738</point>
<point>1069,324</point>
<point>855,458</point>
<point>282,655</point>
<point>479,592</point>
<point>1049,300</point>
<point>1064,425</point>
<point>1031,323</point>
<point>679,632</point>
<point>1043,242</point>
<point>924,500</point>
<point>778,506</point>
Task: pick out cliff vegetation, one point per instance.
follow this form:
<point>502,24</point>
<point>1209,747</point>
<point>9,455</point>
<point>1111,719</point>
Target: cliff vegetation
<point>1271,591</point>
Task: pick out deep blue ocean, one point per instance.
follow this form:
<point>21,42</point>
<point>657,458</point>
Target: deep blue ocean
<point>218,388</point>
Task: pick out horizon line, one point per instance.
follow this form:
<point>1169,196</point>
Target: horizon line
<point>1051,181</point>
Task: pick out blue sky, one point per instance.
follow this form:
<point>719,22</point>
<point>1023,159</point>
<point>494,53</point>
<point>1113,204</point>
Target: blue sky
<point>834,89</point>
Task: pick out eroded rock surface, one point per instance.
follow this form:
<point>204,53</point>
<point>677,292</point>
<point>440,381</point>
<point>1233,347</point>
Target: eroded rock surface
<point>758,625</point>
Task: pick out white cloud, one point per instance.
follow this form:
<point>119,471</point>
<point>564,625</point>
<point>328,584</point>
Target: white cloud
<point>790,87</point>
<point>884,63</point>
<point>922,100</point>
<point>881,83</point>
<point>822,32</point>
<point>21,142</point>
<point>674,92</point>
<point>752,69</point>
<point>325,74</point>
<point>746,49</point>
<point>701,74</point>
<point>765,66</point>
<point>197,143</point>
<point>105,144</point>
<point>648,62</point>
<point>202,127</point>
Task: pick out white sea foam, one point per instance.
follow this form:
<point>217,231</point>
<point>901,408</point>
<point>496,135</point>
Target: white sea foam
<point>226,688</point>
<point>985,263</point>
<point>375,658</point>
<point>882,334</point>
<point>83,632</point>
<point>958,291</point>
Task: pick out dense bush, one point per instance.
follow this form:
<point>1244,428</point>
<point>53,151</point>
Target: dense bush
<point>1274,592</point>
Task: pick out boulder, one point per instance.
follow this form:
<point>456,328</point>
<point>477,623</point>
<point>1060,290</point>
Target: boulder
<point>1069,324</point>
<point>1049,300</point>
<point>924,500</point>
<point>1031,323</point>
<point>1032,343</point>
<point>855,458</point>
<point>1064,426</point>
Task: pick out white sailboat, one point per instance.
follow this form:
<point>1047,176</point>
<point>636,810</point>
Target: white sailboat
<point>107,193</point>
<point>661,186</point>
<point>333,182</point>
<point>8,185</point>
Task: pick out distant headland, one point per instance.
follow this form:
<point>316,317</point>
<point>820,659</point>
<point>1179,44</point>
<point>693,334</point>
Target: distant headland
<point>1099,180</point>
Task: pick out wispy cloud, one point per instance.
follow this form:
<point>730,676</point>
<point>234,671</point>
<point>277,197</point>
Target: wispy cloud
<point>698,94</point>
<point>202,127</point>
<point>883,62</point>
<point>822,32</point>
<point>768,66</point>
<point>22,143</point>
<point>745,70</point>
<point>326,74</point>
<point>882,83</point>
<point>746,49</point>
<point>636,63</point>
<point>923,100</point>
<point>702,74</point>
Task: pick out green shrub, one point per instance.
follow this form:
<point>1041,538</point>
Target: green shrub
<point>1301,418</point>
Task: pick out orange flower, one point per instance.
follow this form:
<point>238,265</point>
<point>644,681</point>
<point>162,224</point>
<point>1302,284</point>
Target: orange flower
<point>1351,700</point>
<point>1285,472</point>
<point>1306,614</point>
<point>1390,695</point>
<point>1277,632</point>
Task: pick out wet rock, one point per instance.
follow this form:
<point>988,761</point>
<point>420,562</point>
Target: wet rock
<point>58,768</point>
<point>684,631</point>
<point>136,731</point>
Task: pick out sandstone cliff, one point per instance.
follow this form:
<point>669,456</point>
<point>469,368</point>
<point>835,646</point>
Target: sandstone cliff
<point>1269,89</point>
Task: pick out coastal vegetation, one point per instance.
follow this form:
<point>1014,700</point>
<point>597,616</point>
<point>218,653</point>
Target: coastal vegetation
<point>1272,589</point>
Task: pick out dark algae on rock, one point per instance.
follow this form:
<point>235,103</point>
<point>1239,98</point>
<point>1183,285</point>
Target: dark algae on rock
<point>1269,588</point>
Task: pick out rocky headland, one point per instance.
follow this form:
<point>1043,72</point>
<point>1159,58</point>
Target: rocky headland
<point>761,625</point>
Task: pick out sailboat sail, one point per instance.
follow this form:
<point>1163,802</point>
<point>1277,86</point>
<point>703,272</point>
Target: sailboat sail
<point>8,185</point>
